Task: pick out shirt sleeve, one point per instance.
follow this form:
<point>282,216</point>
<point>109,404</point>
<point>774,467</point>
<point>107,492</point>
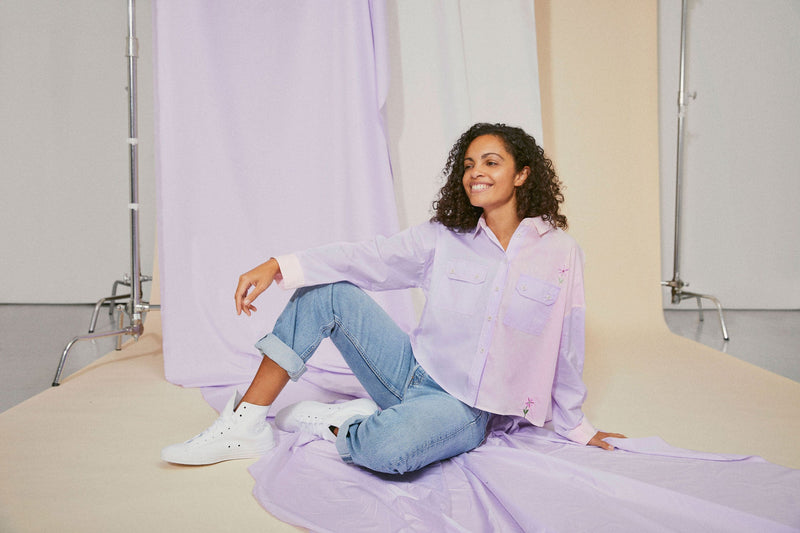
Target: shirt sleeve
<point>383,263</point>
<point>569,391</point>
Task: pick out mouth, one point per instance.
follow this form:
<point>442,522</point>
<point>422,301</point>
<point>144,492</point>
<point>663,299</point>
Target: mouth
<point>479,187</point>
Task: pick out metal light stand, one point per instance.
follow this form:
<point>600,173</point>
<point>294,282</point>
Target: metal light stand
<point>676,284</point>
<point>135,307</point>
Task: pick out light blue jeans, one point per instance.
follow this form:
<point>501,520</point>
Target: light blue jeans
<point>418,424</point>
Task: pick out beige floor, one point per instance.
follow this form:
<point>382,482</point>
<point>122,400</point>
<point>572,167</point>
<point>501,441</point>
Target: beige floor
<point>85,456</point>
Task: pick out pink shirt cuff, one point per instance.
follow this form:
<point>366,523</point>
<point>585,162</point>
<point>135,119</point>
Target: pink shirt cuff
<point>291,271</point>
<point>583,433</point>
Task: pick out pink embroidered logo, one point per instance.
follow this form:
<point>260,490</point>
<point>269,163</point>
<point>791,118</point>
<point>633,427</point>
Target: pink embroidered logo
<point>562,272</point>
<point>528,405</point>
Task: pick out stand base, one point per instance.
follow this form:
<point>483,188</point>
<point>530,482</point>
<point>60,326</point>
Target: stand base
<point>134,330</point>
<point>678,295</point>
<point>132,309</point>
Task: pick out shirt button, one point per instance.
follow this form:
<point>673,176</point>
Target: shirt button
<point>490,318</point>
<point>496,289</point>
<point>482,350</point>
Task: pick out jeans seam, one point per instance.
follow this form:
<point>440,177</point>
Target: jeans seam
<point>305,355</point>
<point>366,360</point>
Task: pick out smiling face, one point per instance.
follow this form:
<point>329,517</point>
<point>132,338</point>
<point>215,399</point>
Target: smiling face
<point>491,178</point>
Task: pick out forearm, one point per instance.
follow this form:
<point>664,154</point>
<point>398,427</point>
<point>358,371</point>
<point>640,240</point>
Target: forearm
<point>395,262</point>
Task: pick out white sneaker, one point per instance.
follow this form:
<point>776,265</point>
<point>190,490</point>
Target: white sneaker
<point>236,434</point>
<point>318,418</point>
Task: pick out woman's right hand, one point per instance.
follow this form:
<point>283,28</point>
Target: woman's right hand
<point>253,283</point>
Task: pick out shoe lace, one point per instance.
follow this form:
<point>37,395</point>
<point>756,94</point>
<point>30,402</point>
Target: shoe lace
<point>219,427</point>
<point>314,424</point>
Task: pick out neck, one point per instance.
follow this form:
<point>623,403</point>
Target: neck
<point>503,227</point>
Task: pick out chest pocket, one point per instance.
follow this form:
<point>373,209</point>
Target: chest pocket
<point>531,304</point>
<point>461,286</point>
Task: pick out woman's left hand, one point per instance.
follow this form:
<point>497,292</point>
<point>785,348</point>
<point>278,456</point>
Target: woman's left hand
<point>598,441</point>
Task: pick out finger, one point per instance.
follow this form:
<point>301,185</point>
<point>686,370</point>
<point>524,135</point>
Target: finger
<point>241,292</point>
<point>247,309</point>
<point>253,294</point>
<point>600,443</point>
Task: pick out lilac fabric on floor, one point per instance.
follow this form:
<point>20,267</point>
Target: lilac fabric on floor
<point>523,478</point>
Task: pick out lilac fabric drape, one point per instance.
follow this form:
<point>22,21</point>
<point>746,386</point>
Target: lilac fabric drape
<point>270,139</point>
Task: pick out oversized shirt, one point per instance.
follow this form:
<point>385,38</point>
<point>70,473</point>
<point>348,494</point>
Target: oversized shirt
<point>501,330</point>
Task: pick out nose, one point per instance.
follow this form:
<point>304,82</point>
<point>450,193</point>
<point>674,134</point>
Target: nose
<point>474,172</point>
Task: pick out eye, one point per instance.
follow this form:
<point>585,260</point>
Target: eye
<point>467,166</point>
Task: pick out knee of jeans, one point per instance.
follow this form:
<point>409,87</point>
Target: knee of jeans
<point>311,289</point>
<point>343,288</point>
<point>327,291</point>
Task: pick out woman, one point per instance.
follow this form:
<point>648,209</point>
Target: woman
<point>501,333</point>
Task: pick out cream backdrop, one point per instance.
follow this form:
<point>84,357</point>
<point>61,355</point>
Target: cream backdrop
<point>642,380</point>
<point>598,67</point>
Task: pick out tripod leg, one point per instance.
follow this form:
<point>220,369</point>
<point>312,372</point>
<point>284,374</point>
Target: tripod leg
<point>686,294</point>
<point>119,334</point>
<point>100,304</point>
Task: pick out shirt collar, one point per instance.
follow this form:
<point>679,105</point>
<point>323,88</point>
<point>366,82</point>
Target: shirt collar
<point>542,226</point>
<point>479,227</point>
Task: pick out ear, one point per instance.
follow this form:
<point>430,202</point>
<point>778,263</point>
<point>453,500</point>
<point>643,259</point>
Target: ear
<point>520,178</point>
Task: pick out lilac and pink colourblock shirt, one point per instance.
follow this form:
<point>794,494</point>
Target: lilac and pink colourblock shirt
<point>501,330</point>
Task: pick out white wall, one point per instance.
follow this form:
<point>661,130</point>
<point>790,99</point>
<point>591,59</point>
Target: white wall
<point>741,223</point>
<point>63,149</point>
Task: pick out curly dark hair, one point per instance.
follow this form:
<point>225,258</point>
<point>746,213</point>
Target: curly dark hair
<point>539,195</point>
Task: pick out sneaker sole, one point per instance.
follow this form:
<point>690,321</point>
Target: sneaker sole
<point>219,459</point>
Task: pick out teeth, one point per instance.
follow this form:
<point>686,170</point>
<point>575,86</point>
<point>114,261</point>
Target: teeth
<point>480,187</point>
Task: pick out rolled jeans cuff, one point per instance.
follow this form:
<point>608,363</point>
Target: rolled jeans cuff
<point>274,348</point>
<point>342,439</point>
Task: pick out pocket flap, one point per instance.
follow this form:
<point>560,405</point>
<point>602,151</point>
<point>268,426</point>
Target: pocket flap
<point>537,290</point>
<point>466,271</point>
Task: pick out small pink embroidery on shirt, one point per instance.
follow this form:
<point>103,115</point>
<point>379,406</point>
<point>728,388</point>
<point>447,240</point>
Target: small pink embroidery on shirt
<point>528,405</point>
<point>562,272</point>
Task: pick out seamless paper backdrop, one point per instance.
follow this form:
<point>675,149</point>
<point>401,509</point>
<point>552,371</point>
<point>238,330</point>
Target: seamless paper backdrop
<point>270,139</point>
